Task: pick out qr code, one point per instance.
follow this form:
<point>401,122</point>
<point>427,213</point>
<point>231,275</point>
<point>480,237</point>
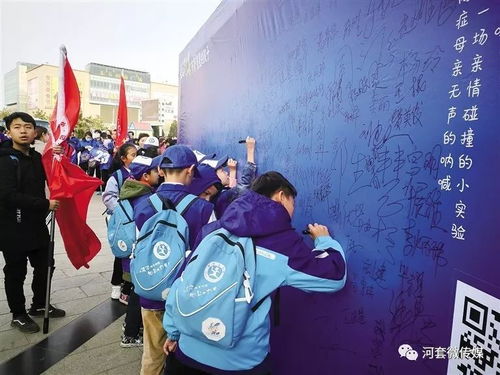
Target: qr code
<point>476,325</point>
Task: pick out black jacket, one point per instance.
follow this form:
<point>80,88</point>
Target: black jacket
<point>23,206</point>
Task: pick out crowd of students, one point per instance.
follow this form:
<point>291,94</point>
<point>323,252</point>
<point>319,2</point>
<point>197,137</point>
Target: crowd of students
<point>177,336</point>
<point>199,251</point>
<point>95,150</point>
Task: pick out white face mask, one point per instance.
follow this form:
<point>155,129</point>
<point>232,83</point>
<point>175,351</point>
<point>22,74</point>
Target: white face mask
<point>88,138</point>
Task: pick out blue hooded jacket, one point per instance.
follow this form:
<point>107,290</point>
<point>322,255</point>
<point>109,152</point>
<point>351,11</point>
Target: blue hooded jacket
<point>283,259</point>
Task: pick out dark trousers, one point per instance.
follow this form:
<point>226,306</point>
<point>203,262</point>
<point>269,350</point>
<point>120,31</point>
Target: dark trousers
<point>133,317</point>
<point>117,276</point>
<point>105,176</point>
<point>127,287</point>
<point>175,367</point>
<point>84,165</point>
<point>94,169</point>
<point>15,273</point>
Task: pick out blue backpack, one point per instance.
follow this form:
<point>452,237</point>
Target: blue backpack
<point>161,248</point>
<point>122,230</point>
<point>213,297</point>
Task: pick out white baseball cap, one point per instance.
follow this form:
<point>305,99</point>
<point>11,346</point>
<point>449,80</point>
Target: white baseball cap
<point>151,141</point>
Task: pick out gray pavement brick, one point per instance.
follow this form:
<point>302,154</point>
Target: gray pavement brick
<point>12,339</point>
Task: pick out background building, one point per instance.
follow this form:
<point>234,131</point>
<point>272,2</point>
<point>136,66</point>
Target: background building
<point>15,86</point>
<point>30,86</point>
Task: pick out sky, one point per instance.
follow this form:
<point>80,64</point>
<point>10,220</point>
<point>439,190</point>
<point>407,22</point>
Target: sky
<point>142,34</point>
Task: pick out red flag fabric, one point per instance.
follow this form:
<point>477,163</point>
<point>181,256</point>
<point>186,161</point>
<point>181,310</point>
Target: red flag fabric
<point>67,182</point>
<point>121,119</point>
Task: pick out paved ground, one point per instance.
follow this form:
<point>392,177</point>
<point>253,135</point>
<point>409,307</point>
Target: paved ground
<point>76,291</point>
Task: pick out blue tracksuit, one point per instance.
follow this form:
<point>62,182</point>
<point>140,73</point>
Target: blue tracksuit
<point>84,153</point>
<point>226,196</point>
<point>283,259</point>
<point>74,142</point>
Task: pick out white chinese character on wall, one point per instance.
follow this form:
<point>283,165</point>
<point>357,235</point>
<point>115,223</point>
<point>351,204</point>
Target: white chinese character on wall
<point>461,185</point>
<point>452,113</point>
<point>458,233</point>
<point>465,161</point>
<point>445,183</point>
<point>476,64</point>
<point>468,138</point>
<point>454,92</point>
<point>462,20</point>
<point>457,68</point>
<point>447,161</point>
<point>480,38</point>
<point>470,114</point>
<point>460,209</point>
<point>449,138</point>
<point>473,88</point>
<point>460,44</point>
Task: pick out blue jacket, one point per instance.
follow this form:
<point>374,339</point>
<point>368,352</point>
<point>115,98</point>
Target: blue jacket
<point>109,147</point>
<point>226,196</point>
<point>196,217</point>
<point>283,259</point>
<point>83,148</point>
<point>74,142</point>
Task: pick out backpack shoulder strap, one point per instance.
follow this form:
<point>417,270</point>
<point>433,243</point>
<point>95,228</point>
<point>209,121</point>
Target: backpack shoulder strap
<point>126,207</point>
<point>156,202</point>
<point>185,203</point>
<point>119,178</point>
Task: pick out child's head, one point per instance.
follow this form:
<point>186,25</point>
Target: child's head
<point>218,165</point>
<point>97,134</point>
<point>179,164</point>
<point>141,139</point>
<point>150,147</point>
<point>205,185</point>
<point>276,187</point>
<point>126,153</point>
<point>42,134</point>
<point>88,136</point>
<point>21,128</point>
<point>145,169</point>
<point>223,176</point>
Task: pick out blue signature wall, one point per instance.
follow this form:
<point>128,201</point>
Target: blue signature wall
<point>350,100</point>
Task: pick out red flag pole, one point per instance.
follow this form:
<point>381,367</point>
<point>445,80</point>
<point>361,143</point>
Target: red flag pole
<point>121,118</point>
<point>52,267</point>
<point>62,135</point>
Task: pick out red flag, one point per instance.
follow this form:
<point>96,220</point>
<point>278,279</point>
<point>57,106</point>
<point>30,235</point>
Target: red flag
<point>121,119</point>
<point>67,182</point>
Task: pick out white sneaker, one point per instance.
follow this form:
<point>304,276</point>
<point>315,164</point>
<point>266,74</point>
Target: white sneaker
<point>115,291</point>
